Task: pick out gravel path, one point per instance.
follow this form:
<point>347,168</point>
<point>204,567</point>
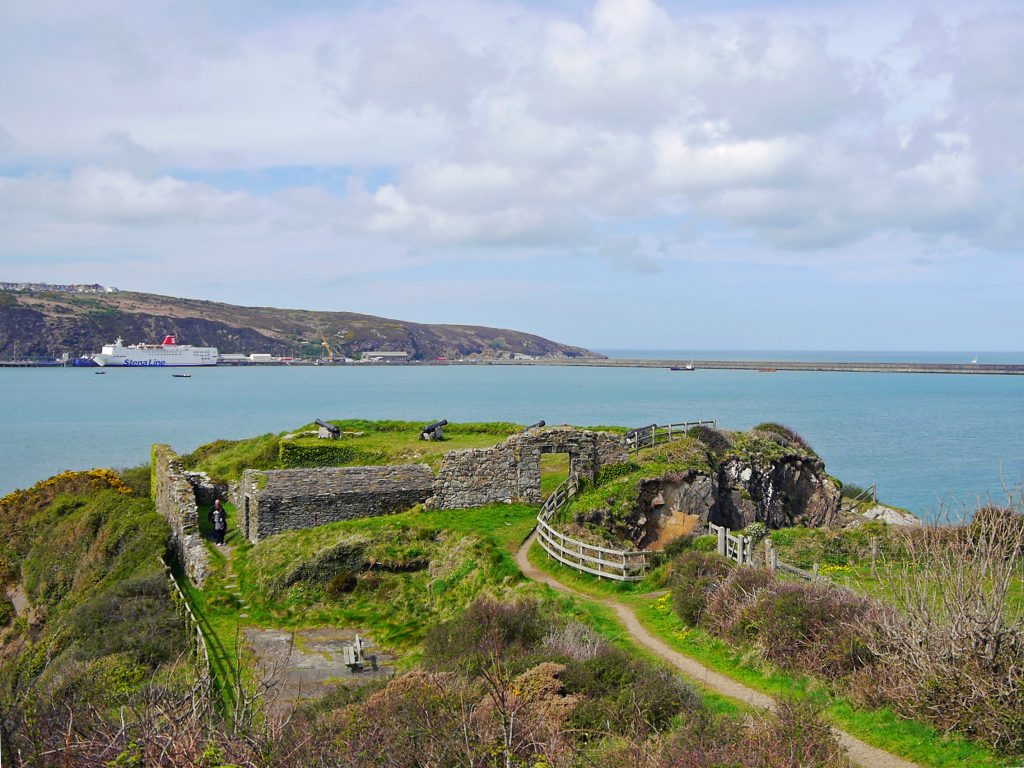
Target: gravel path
<point>862,754</point>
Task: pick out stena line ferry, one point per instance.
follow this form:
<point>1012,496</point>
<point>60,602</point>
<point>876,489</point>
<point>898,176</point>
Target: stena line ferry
<point>169,353</point>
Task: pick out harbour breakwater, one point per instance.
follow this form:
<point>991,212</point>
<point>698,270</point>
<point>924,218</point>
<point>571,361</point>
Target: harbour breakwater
<point>764,366</point>
<point>771,366</point>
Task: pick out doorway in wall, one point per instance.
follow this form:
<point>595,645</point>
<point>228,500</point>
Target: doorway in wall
<point>554,469</point>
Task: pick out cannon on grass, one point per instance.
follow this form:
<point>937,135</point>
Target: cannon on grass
<point>434,431</point>
<point>641,437</point>
<point>327,431</point>
<point>538,425</point>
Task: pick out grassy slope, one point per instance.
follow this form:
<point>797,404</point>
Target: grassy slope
<point>471,550</point>
<point>915,741</point>
<point>85,548</point>
<point>80,323</point>
<point>398,614</point>
<point>381,442</point>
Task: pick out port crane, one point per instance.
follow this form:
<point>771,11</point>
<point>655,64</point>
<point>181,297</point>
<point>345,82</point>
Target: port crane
<point>327,348</point>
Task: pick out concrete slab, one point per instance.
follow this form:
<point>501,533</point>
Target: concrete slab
<point>306,663</point>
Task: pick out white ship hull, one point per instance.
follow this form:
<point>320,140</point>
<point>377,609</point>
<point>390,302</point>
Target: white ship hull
<point>166,355</point>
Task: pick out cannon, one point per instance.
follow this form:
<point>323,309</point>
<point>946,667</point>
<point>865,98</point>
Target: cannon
<point>327,431</point>
<point>641,430</point>
<point>538,425</point>
<point>641,437</point>
<point>434,431</point>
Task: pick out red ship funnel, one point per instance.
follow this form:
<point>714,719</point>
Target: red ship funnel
<point>170,341</point>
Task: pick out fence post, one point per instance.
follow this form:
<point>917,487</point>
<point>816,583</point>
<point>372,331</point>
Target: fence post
<point>721,540</point>
<point>814,572</point>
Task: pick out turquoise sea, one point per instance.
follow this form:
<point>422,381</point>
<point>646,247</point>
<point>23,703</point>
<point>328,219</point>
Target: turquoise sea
<point>924,439</point>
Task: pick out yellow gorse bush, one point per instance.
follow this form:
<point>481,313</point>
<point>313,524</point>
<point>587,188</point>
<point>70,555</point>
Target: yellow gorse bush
<point>100,479</point>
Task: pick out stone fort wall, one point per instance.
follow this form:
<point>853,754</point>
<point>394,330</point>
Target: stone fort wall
<point>175,499</point>
<point>273,501</point>
<point>510,471</point>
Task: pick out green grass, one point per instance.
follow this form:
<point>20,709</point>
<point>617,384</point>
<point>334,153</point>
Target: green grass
<point>615,487</point>
<point>882,728</point>
<point>380,442</point>
<point>469,552</point>
<point>554,469</point>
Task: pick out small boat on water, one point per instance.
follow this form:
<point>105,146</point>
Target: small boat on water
<point>687,367</point>
<point>100,373</point>
<point>182,375</point>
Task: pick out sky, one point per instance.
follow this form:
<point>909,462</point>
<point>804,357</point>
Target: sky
<point>616,174</point>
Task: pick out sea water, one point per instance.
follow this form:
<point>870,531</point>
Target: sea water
<point>925,439</point>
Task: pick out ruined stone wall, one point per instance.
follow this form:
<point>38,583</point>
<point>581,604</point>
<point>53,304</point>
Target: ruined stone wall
<point>175,499</point>
<point>510,471</point>
<point>477,477</point>
<point>287,499</point>
<point>611,449</point>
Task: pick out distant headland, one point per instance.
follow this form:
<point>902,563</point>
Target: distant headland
<point>43,321</point>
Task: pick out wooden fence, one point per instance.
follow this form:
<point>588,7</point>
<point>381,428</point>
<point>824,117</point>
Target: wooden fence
<point>871,492</point>
<point>740,549</point>
<point>608,563</point>
<point>652,434</point>
<point>617,564</point>
<point>198,639</point>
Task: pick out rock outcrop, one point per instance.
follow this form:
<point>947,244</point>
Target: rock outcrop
<point>792,490</point>
<point>787,490</point>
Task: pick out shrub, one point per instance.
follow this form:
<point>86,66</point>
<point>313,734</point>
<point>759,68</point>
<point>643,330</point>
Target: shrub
<point>678,545</point>
<point>7,612</point>
<point>757,531</point>
<point>811,627</point>
<point>137,478</point>
<point>487,628</point>
<point>693,577</point>
<point>136,617</point>
<point>616,687</point>
<point>851,490</point>
<point>952,651</point>
<point>790,436</point>
<point>706,543</point>
<point>415,720</point>
<point>727,608</point>
<point>715,439</point>
<point>793,735</point>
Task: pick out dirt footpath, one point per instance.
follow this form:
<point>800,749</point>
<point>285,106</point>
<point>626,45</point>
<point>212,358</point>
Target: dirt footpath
<point>862,754</point>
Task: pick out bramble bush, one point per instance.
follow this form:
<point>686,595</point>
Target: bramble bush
<point>692,578</point>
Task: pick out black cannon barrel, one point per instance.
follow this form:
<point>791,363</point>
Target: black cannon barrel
<point>431,427</point>
<point>638,430</point>
<point>538,425</point>
<point>329,427</point>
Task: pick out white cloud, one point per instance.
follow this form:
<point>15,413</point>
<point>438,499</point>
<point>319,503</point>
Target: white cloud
<point>505,124</point>
<point>119,198</point>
